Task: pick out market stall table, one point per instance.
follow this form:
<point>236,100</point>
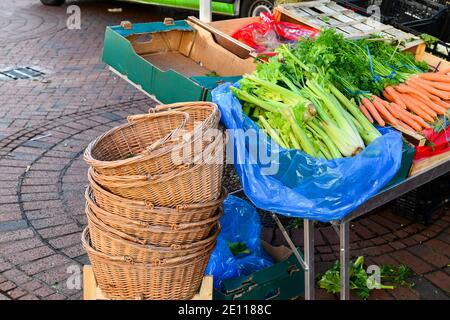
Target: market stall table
<point>427,174</point>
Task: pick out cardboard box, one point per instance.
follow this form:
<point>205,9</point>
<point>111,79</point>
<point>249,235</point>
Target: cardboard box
<point>282,281</point>
<point>173,61</point>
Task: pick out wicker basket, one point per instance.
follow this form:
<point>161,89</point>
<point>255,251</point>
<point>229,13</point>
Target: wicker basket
<point>155,235</point>
<point>164,155</point>
<point>172,279</point>
<point>206,113</point>
<point>195,183</point>
<point>143,211</point>
<point>114,242</point>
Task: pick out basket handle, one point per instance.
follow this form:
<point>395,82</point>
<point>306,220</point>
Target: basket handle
<point>141,117</point>
<point>173,106</point>
<point>211,147</point>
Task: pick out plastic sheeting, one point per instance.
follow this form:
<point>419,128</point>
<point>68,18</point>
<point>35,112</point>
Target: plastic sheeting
<point>303,186</point>
<point>240,223</point>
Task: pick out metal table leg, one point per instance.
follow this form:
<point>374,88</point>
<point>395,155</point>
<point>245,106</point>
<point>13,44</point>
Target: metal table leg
<point>344,259</point>
<point>308,233</point>
<point>308,262</point>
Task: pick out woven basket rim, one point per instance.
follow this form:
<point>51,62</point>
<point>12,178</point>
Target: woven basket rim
<point>134,180</point>
<point>89,158</point>
<point>144,205</point>
<point>181,227</point>
<point>125,261</point>
<point>153,153</point>
<point>163,249</point>
<point>102,225</point>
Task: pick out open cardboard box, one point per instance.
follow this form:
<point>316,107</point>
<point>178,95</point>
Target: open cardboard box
<point>173,61</point>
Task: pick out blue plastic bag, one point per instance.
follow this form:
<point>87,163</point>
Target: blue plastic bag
<point>240,223</point>
<point>304,186</point>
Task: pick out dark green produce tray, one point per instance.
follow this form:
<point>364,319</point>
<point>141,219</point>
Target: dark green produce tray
<point>281,281</point>
<point>408,152</point>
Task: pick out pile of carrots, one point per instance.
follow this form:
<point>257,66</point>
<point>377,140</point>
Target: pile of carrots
<point>412,105</point>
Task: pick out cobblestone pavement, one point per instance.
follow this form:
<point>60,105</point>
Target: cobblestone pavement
<point>45,126</point>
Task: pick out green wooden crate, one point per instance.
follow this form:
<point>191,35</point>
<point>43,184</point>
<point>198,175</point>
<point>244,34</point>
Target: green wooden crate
<point>282,281</point>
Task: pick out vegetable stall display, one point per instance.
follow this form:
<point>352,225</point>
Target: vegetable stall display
<point>322,95</point>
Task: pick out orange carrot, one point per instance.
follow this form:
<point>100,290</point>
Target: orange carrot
<point>423,92</point>
<point>421,105</point>
<point>441,94</point>
<point>432,105</point>
<point>420,121</point>
<point>395,96</point>
<point>417,110</point>
<point>434,77</point>
<point>403,88</point>
<point>387,96</point>
<point>373,111</point>
<point>366,113</point>
<point>404,116</point>
<point>445,86</point>
<point>444,70</point>
<point>383,111</point>
<point>405,126</point>
<point>443,104</point>
<point>388,106</point>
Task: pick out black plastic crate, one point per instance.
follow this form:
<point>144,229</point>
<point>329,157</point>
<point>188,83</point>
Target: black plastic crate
<point>420,204</point>
<point>423,16</point>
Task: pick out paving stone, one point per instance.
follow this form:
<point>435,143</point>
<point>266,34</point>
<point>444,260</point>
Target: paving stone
<point>3,297</point>
<point>13,225</point>
<point>416,264</point>
<point>403,293</point>
<point>435,258</point>
<point>29,297</point>
<point>65,229</point>
<point>44,264</point>
<point>440,279</point>
<point>15,235</point>
<point>16,276</point>
<point>43,292</point>
<point>17,293</point>
<point>8,285</point>
<point>30,255</point>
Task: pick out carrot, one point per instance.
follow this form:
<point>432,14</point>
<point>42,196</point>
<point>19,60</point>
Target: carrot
<point>439,85</point>
<point>383,111</point>
<point>420,121</point>
<point>403,88</point>
<point>441,94</point>
<point>432,105</point>
<point>434,77</point>
<point>444,70</point>
<point>395,96</point>
<point>404,116</point>
<point>417,110</point>
<point>422,106</point>
<point>388,106</point>
<point>423,92</point>
<point>405,126</point>
<point>443,104</point>
<point>387,96</point>
<point>366,113</point>
<point>373,111</point>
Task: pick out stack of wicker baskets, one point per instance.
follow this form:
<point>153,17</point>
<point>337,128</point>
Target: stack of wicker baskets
<point>154,201</point>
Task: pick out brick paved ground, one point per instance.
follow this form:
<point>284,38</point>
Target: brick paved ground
<point>45,126</point>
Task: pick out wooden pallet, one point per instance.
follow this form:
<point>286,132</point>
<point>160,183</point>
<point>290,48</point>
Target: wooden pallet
<point>325,14</point>
<point>91,290</point>
<point>425,164</point>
